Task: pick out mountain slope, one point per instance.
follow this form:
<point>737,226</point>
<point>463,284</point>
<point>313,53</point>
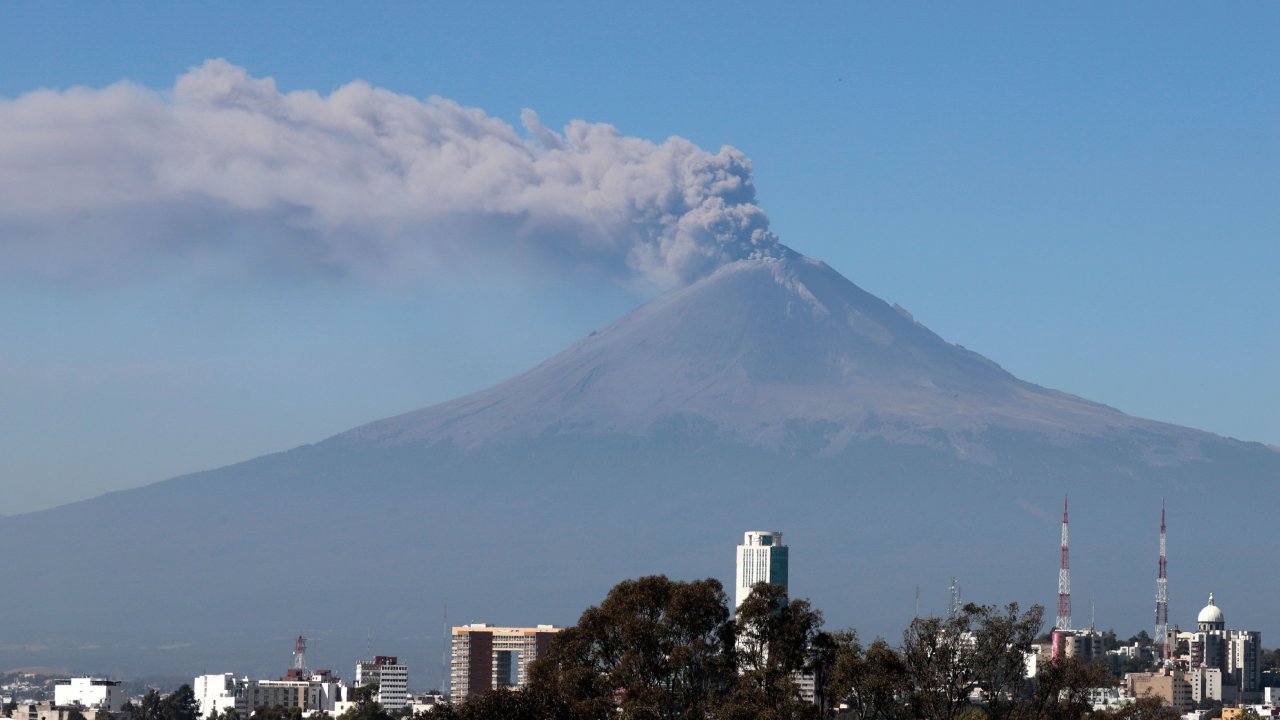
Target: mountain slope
<point>772,394</point>
<point>760,349</point>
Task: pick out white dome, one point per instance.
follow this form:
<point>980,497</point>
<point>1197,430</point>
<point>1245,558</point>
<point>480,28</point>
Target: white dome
<point>1211,613</point>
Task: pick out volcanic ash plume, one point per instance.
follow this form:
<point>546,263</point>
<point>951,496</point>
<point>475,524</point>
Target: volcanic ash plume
<point>226,169</point>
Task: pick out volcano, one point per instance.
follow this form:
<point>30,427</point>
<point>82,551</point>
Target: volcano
<point>773,393</point>
<point>770,353</point>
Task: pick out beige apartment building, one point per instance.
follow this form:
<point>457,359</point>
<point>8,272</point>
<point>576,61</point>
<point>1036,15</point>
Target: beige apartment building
<point>1168,684</point>
<point>484,657</point>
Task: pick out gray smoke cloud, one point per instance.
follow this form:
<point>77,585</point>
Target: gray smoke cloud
<point>225,169</point>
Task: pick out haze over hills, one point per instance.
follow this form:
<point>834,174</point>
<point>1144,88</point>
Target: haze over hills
<point>773,393</point>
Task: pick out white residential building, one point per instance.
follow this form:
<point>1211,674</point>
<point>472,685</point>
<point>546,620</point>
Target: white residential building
<point>1206,684</point>
<point>89,692</point>
<point>1108,699</point>
<point>315,693</point>
<point>761,558</point>
<point>219,693</point>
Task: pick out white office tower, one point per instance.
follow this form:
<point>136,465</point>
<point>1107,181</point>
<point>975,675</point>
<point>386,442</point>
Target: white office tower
<point>391,677</point>
<point>761,558</point>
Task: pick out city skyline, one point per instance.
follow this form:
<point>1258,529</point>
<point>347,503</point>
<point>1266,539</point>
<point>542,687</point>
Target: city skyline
<point>494,307</point>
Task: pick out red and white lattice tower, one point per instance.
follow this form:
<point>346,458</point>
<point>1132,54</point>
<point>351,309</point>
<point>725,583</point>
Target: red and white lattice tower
<point>1162,594</point>
<point>1063,622</point>
<point>300,653</point>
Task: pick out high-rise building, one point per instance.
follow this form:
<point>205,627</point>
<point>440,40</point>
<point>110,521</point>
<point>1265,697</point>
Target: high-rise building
<point>484,657</point>
<point>761,558</point>
<point>1234,653</point>
<point>391,677</point>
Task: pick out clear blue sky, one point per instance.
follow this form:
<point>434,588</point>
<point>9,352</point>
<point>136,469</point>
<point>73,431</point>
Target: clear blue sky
<point>1088,194</point>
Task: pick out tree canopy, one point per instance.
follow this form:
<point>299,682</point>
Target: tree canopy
<point>661,649</point>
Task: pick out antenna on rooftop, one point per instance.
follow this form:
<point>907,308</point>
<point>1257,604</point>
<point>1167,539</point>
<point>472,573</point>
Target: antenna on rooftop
<point>300,655</point>
<point>917,602</point>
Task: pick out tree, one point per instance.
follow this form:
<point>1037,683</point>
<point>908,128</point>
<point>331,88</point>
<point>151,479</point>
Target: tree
<point>75,714</point>
<point>776,640</point>
<point>180,705</point>
<point>654,648</point>
<point>367,706</point>
<point>936,655</point>
<point>982,648</point>
<point>503,704</point>
<point>365,710</point>
<point>150,706</point>
<point>1142,638</point>
<point>1000,641</point>
<point>1062,689</point>
<point>829,653</point>
<point>872,683</point>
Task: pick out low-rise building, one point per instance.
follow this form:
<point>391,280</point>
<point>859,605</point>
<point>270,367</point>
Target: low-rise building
<point>320,692</point>
<point>89,692</point>
<point>1168,684</point>
<point>425,701</point>
<point>1108,699</point>
<point>1271,696</point>
<point>50,710</point>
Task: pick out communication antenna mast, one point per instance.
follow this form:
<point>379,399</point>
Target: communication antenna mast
<point>917,602</point>
<point>1063,621</point>
<point>957,605</point>
<point>1162,593</point>
<point>444,654</point>
<point>300,654</point>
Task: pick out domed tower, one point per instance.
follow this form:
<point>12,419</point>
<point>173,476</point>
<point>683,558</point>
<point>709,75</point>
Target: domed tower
<point>1210,618</point>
